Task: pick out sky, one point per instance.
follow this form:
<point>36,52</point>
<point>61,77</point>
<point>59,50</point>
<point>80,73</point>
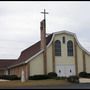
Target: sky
<point>20,23</point>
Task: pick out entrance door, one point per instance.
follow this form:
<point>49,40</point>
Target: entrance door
<point>65,70</point>
<point>60,70</point>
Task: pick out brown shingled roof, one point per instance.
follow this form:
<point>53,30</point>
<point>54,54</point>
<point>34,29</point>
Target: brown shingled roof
<point>32,50</point>
<point>4,63</point>
<point>29,52</point>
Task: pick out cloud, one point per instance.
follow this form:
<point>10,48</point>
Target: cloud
<point>20,23</point>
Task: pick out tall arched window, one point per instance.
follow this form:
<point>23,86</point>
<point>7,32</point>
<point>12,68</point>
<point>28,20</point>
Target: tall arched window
<point>70,48</point>
<point>57,48</point>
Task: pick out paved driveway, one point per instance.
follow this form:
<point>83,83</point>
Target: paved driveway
<point>72,86</point>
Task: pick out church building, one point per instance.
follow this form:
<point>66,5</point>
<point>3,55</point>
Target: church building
<point>58,52</point>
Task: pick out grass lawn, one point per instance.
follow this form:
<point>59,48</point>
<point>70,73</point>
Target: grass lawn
<point>18,83</point>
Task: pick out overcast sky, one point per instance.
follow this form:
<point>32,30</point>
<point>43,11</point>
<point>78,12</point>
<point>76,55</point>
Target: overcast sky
<point>20,23</point>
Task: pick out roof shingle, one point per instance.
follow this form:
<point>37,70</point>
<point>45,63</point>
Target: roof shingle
<point>4,63</point>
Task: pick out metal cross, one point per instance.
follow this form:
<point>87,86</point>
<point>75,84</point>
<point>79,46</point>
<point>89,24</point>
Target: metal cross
<point>44,13</point>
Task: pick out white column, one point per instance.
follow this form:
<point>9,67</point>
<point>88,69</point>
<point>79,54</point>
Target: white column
<point>6,72</point>
<point>22,76</point>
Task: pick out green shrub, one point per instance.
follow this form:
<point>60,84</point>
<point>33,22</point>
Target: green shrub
<point>88,75</point>
<point>52,74</point>
<point>9,77</point>
<point>38,77</point>
<point>84,74</point>
<point>61,78</point>
<point>73,79</point>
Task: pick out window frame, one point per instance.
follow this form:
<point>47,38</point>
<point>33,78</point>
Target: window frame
<point>57,48</point>
<point>70,51</point>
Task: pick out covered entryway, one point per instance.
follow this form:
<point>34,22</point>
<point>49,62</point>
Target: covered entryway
<point>65,70</point>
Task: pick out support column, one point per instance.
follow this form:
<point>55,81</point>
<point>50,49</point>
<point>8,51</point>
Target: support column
<point>84,63</point>
<point>76,64</point>
<point>53,56</point>
<point>45,61</point>
<point>27,71</point>
<point>23,76</point>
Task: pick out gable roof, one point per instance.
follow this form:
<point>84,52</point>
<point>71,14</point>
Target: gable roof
<point>32,50</point>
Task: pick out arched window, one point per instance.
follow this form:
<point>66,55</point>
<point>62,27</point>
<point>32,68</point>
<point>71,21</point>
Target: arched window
<point>57,48</point>
<point>70,48</point>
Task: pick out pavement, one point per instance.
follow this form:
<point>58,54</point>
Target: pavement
<point>61,86</point>
<point>72,86</point>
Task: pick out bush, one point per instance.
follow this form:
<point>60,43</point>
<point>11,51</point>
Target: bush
<point>61,78</point>
<point>88,75</point>
<point>73,79</point>
<point>9,77</point>
<point>38,77</point>
<point>52,74</point>
<point>84,74</point>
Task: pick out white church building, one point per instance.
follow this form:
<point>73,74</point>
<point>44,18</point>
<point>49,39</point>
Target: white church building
<point>59,52</point>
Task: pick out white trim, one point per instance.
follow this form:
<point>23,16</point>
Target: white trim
<point>64,31</point>
<point>51,41</point>
<point>16,65</point>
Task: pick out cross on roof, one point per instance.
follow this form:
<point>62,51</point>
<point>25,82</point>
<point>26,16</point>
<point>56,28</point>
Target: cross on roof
<point>44,13</point>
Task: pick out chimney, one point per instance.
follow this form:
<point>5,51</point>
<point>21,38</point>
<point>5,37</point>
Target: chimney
<point>43,34</point>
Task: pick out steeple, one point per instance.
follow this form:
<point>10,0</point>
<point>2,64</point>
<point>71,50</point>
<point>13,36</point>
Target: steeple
<point>43,30</point>
<point>43,41</point>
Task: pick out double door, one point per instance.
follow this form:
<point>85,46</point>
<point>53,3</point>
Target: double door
<point>65,70</point>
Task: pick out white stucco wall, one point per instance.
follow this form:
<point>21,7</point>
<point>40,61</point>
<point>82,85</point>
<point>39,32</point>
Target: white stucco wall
<point>64,59</point>
<point>49,59</point>
<point>36,65</point>
<point>65,63</point>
